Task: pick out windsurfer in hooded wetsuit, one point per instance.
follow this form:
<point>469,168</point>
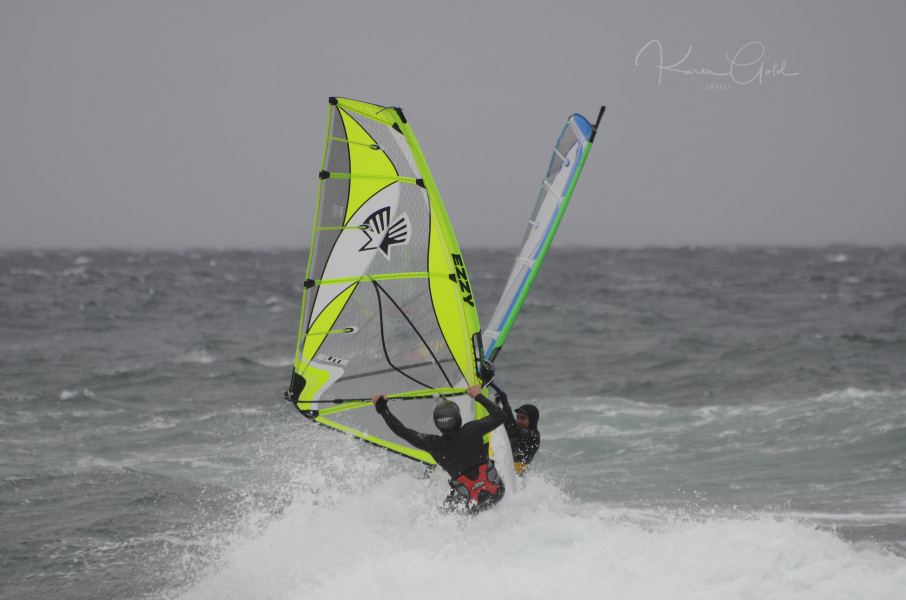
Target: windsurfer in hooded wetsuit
<point>460,450</point>
<point>522,431</point>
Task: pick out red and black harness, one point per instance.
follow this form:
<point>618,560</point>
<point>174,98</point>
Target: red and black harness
<point>488,481</point>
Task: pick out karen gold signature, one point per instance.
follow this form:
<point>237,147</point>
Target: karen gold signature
<point>745,67</point>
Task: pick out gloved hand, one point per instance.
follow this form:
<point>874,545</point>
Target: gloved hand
<point>380,402</point>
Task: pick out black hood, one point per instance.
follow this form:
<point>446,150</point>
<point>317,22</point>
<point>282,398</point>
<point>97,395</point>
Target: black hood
<point>532,413</point>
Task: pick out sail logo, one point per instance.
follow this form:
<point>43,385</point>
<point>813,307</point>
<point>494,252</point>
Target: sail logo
<point>463,280</point>
<point>382,234</point>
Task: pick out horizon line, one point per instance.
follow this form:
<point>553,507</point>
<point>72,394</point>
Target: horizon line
<point>566,247</point>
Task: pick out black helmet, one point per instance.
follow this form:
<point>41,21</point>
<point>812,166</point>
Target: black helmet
<point>446,415</point>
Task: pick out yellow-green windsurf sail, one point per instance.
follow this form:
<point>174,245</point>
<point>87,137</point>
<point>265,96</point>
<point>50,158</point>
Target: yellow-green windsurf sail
<point>387,306</point>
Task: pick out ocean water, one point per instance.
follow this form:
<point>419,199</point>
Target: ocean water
<point>717,423</point>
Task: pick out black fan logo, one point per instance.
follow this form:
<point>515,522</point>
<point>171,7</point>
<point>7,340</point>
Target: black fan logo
<point>381,234</point>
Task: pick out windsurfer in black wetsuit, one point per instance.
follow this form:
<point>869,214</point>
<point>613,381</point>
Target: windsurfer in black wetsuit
<point>522,431</point>
<point>460,450</point>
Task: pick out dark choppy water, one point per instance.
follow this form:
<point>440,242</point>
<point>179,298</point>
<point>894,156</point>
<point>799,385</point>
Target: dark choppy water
<point>718,424</point>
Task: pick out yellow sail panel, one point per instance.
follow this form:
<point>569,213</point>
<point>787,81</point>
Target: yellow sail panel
<point>324,323</point>
<point>448,306</point>
<point>366,158</point>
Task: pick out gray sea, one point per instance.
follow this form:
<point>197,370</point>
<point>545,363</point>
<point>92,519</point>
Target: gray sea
<point>717,423</point>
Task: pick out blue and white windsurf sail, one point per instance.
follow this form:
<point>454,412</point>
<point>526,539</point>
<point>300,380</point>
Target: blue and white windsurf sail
<point>567,161</point>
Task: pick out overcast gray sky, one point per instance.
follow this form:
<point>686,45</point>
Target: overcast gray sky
<point>201,123</point>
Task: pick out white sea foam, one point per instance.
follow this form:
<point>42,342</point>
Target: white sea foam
<point>274,361</point>
<point>859,394</point>
<point>231,411</point>
<point>245,410</point>
<point>73,394</point>
<point>30,272</point>
<point>75,271</point>
<point>586,431</point>
<point>81,260</point>
<point>154,424</point>
<point>843,400</point>
<point>835,518</point>
<point>200,357</point>
<point>90,463</point>
<point>386,539</point>
<point>15,397</point>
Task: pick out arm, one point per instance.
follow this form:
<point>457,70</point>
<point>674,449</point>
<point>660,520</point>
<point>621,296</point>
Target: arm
<point>419,440</point>
<point>508,420</point>
<point>495,416</point>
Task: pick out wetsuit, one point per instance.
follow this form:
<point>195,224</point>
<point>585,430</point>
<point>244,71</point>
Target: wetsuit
<point>461,452</point>
<point>525,442</point>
